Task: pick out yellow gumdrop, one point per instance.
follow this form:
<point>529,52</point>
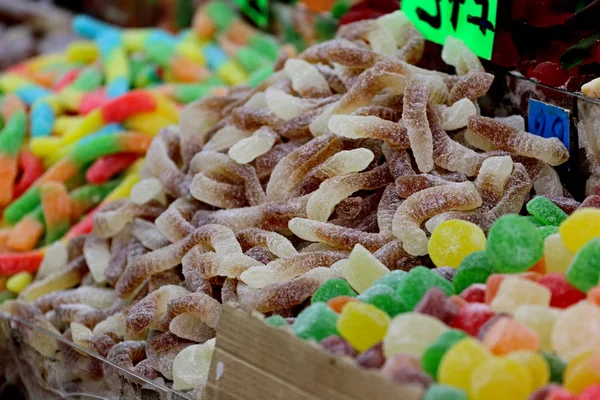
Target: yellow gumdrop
<point>580,373</point>
<point>459,362</point>
<point>412,333</point>
<point>579,228</point>
<point>556,255</point>
<point>362,325</point>
<point>451,241</point>
<point>500,379</point>
<point>18,282</point>
<point>536,365</point>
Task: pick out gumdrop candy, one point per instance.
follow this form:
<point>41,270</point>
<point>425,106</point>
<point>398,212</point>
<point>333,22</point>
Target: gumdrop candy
<point>404,368</point>
<point>332,288</point>
<point>580,373</point>
<point>337,304</point>
<point>556,255</point>
<point>276,321</point>
<point>494,281</point>
<point>515,292</point>
<point>384,298</point>
<point>546,231</point>
<point>546,211</point>
<point>432,357</point>
<point>507,335</point>
<point>363,269</point>
<point>475,268</point>
<point>536,364</point>
<point>338,346</point>
<point>556,365</point>
<point>593,296</point>
<point>576,330</point>
<point>474,293</point>
<point>581,226</point>
<point>316,322</point>
<point>500,379</point>
<point>436,304</point>
<point>540,319</point>
<point>563,294</point>
<point>460,361</point>
<point>590,393</point>
<point>362,325</point>
<point>392,279</point>
<point>584,271</point>
<point>418,281</point>
<point>443,392</point>
<point>514,244</point>
<point>372,358</point>
<point>411,333</point>
<point>472,317</point>
<point>453,240</point>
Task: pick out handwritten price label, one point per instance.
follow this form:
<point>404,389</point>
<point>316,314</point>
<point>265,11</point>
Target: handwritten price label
<point>549,121</point>
<point>472,21</point>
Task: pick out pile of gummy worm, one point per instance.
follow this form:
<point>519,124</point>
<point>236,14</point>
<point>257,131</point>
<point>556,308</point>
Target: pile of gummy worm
<point>357,201</point>
<point>76,125</point>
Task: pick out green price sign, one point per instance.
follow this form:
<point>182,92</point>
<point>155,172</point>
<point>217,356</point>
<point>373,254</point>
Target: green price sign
<point>472,21</point>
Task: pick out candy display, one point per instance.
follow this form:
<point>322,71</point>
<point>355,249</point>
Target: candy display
<point>76,123</point>
<point>358,201</point>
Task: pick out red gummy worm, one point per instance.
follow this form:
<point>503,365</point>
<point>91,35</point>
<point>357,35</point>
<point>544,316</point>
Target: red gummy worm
<point>32,169</point>
<point>13,263</point>
<point>84,226</point>
<point>106,167</point>
<point>92,100</point>
<point>66,79</point>
<point>122,107</point>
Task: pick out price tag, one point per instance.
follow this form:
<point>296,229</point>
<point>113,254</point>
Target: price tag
<point>472,21</point>
<point>257,11</point>
<point>549,121</point>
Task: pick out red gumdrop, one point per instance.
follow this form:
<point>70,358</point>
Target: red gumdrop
<point>563,294</point>
<point>436,304</point>
<point>474,293</point>
<point>590,393</point>
<point>471,317</point>
<point>561,394</point>
<point>550,73</point>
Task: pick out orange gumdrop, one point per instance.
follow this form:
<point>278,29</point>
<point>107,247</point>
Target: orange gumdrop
<point>338,303</point>
<point>593,295</point>
<point>539,267</point>
<point>459,301</point>
<point>493,282</point>
<point>507,335</point>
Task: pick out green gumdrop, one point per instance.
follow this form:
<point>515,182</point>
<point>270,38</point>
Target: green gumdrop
<point>316,322</point>
<point>433,355</point>
<point>392,279</point>
<point>276,320</point>
<point>474,268</point>
<point>417,282</point>
<point>556,365</point>
<point>384,298</point>
<point>514,244</point>
<point>546,211</point>
<point>548,230</point>
<point>584,271</point>
<point>332,288</point>
<point>443,392</point>
<point>535,221</point>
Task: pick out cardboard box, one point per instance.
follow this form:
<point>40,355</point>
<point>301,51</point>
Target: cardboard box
<point>255,361</point>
